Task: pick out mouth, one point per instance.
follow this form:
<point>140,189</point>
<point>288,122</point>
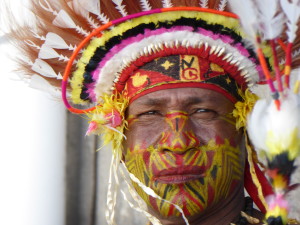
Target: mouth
<point>179,175</point>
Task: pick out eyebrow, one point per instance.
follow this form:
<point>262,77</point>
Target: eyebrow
<point>163,101</point>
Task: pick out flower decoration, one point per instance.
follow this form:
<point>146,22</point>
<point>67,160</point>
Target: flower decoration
<point>243,108</point>
<point>108,119</point>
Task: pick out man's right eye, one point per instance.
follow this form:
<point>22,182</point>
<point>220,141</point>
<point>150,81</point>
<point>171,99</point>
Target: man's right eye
<point>149,113</point>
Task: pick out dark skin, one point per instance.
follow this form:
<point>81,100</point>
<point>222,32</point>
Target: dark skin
<point>208,118</point>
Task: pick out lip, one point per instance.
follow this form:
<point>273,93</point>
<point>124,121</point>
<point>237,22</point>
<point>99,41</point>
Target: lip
<point>180,174</point>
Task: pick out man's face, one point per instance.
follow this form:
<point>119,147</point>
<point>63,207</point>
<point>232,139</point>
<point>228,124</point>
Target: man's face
<point>182,143</point>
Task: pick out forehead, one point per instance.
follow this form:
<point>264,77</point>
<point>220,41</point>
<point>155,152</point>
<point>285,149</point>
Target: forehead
<point>181,97</point>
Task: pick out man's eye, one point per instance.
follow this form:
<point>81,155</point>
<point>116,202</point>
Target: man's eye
<point>149,113</point>
<point>205,113</point>
<point>203,110</point>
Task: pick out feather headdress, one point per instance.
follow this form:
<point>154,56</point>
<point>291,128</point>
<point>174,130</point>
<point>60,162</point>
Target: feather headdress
<point>98,44</point>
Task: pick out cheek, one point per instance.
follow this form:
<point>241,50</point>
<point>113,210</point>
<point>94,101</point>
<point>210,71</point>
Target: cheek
<point>217,131</point>
<point>143,133</point>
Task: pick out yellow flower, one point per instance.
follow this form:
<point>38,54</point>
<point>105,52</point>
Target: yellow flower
<point>243,108</point>
<point>108,119</point>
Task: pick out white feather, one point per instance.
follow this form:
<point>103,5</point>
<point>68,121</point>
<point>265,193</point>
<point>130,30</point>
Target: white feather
<point>47,7</point>
<point>36,35</point>
<point>103,18</point>
<point>92,6</point>
<point>222,5</point>
<point>64,20</point>
<point>265,118</point>
<point>167,4</point>
<point>47,52</point>
<point>32,44</point>
<point>44,69</point>
<point>248,16</point>
<point>55,41</point>
<point>204,3</point>
<point>270,20</point>
<point>145,5</point>
<point>120,7</point>
<point>292,12</point>
<point>40,83</point>
<point>77,8</point>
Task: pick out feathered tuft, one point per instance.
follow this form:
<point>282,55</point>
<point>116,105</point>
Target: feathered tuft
<point>120,7</point>
<point>145,5</point>
<point>279,130</point>
<point>222,5</point>
<point>292,12</point>
<point>247,13</point>
<point>271,21</point>
<point>167,3</point>
<point>204,4</point>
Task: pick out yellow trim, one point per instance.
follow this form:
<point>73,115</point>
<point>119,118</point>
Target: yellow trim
<point>77,78</point>
<point>253,174</point>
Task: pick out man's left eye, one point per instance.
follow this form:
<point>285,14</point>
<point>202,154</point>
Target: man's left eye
<point>201,110</point>
<point>205,113</point>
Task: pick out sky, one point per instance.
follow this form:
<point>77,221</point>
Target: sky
<point>32,141</point>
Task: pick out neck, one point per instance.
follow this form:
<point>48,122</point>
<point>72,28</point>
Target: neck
<point>223,213</point>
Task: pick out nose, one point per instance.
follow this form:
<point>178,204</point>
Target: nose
<point>178,135</point>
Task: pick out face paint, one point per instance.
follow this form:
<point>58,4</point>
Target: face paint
<point>176,138</point>
<point>181,144</point>
<point>192,181</point>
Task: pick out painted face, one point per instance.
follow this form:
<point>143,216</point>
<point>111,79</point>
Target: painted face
<point>183,144</point>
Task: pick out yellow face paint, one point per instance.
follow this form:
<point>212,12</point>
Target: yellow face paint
<point>193,181</point>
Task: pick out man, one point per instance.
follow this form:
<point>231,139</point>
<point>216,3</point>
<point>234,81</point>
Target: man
<point>166,82</point>
<point>181,143</point>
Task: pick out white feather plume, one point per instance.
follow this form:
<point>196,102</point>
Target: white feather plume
<point>47,52</point>
<point>44,69</point>
<point>120,7</point>
<point>222,5</point>
<point>77,8</point>
<point>36,35</point>
<point>64,20</point>
<point>167,4</point>
<point>55,41</point>
<point>292,12</point>
<point>40,83</point>
<point>145,5</point>
<point>32,44</point>
<point>265,120</point>
<point>92,6</point>
<point>47,7</point>
<point>103,18</point>
<point>248,16</point>
<point>270,20</point>
<point>204,3</point>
